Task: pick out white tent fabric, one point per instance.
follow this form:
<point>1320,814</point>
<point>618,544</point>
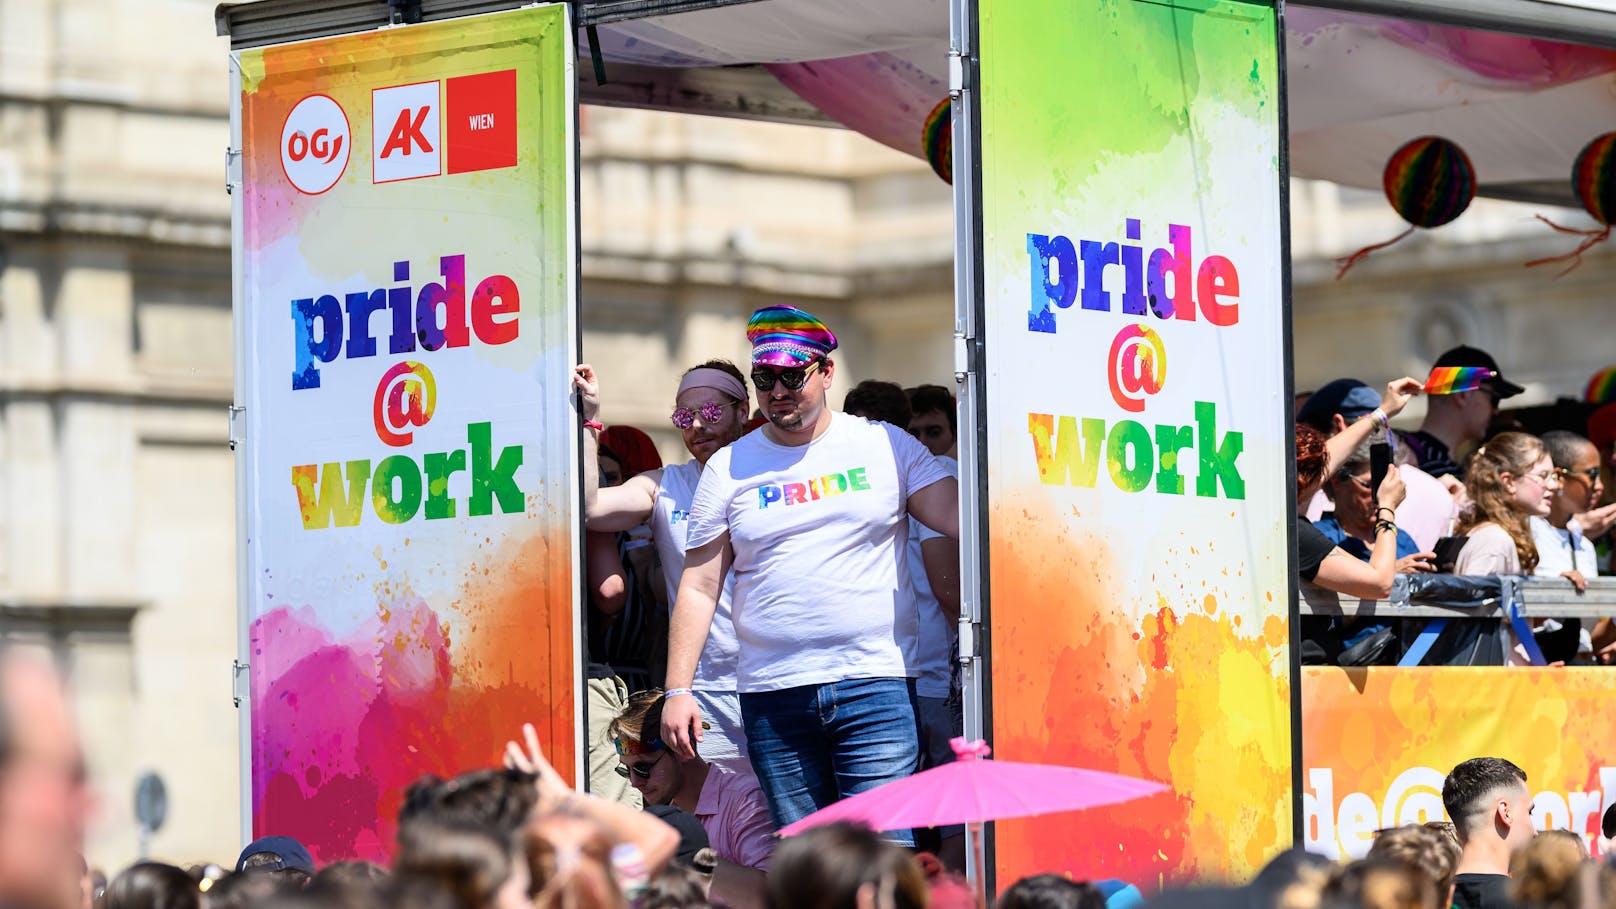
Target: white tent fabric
<point>1359,86</point>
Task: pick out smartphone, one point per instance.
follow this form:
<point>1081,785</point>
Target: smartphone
<point>1380,458</point>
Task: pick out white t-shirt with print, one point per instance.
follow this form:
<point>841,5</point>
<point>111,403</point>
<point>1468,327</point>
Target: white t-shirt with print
<point>819,531</point>
<point>934,659</point>
<point>670,522</point>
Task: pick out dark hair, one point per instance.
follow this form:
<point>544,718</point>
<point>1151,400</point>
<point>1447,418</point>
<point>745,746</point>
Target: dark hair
<point>641,719</point>
<point>1563,447</point>
<point>243,889</point>
<point>721,365</point>
<point>674,888</point>
<point>1471,782</point>
<point>1050,891</point>
<point>347,885</point>
<point>924,399</point>
<point>152,885</point>
<point>877,400</point>
<point>499,800</point>
<point>825,867</point>
<point>1436,854</point>
<point>1381,883</point>
<point>1311,456</point>
<point>468,860</point>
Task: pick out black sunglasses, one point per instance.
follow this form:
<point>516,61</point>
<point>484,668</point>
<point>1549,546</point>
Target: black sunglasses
<point>641,770</point>
<point>793,378</point>
<point>1591,474</point>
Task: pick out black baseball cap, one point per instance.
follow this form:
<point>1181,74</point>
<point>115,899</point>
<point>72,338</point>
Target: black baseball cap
<point>1464,355</point>
<point>287,852</point>
<point>1348,397</point>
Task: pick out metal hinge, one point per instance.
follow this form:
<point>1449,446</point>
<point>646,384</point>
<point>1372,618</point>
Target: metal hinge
<point>969,636</point>
<point>962,357</point>
<point>956,73</point>
<point>236,411</point>
<point>232,170</point>
<point>240,686</point>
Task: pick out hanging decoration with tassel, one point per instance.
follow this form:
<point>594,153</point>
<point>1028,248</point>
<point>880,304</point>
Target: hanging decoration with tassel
<point>936,136</point>
<point>1593,176</point>
<point>1429,181</point>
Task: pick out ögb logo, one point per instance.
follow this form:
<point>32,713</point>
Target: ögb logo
<point>1137,367</point>
<point>405,398</point>
<point>315,142</point>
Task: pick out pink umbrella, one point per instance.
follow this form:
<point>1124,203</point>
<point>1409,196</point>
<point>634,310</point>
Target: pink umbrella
<point>972,790</point>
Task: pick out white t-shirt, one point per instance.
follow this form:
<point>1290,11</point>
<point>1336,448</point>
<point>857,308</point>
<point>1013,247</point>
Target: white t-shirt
<point>822,589</point>
<point>670,522</point>
<point>937,631</point>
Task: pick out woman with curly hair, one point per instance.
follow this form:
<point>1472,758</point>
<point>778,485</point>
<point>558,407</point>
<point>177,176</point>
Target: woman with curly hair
<point>1510,479</point>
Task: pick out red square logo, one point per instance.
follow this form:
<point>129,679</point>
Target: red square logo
<point>480,112</point>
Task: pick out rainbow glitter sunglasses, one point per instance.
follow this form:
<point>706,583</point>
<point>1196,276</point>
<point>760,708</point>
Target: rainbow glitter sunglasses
<point>710,412</point>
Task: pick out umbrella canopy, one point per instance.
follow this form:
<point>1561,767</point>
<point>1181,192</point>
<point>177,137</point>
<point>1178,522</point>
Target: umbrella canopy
<point>972,790</point>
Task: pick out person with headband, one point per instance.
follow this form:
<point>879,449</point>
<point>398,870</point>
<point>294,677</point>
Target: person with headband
<point>809,515</point>
<point>709,410</point>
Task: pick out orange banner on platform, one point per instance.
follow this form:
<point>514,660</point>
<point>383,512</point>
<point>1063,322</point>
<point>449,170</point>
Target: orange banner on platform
<point>1377,744</point>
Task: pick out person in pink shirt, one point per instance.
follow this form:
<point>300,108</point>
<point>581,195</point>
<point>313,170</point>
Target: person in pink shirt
<point>730,806</point>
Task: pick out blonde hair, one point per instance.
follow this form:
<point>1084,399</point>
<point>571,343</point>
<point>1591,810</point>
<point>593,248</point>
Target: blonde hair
<point>1545,871</point>
<point>1513,453</point>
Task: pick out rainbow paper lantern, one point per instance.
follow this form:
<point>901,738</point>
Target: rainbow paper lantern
<point>1593,176</point>
<point>1429,181</point>
<point>936,135</point>
<point>1601,387</point>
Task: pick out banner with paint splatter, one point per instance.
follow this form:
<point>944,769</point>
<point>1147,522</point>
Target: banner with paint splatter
<point>1379,742</point>
<point>407,298</point>
<point>1135,361</point>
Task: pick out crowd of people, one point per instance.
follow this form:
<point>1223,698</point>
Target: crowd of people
<point>1466,493</point>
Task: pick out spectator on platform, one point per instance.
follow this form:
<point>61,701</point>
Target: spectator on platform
<point>709,410</point>
<point>844,866</point>
<point>1437,854</point>
<point>934,419</point>
<point>730,806</point>
<point>1510,479</point>
<point>1564,550</point>
<point>1351,523</point>
<point>1454,420</point>
<point>1491,810</point>
<point>873,399</point>
<point>934,572</point>
<point>810,513</point>
<point>1321,561</point>
<point>1429,508</point>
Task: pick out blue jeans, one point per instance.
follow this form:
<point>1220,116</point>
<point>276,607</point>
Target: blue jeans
<point>816,744</point>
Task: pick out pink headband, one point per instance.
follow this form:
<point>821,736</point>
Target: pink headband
<point>716,379</point>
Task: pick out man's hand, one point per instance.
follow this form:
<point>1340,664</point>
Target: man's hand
<point>1398,393</point>
<point>1576,579</point>
<point>552,788</point>
<point>1418,563</point>
<point>588,388</point>
<point>681,725</point>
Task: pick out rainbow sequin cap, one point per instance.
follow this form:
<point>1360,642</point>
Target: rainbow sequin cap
<point>786,336</point>
<point>1450,380</point>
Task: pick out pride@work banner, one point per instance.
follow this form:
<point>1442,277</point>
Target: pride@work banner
<point>1137,450</point>
<point>407,249</point>
<point>1377,744</point>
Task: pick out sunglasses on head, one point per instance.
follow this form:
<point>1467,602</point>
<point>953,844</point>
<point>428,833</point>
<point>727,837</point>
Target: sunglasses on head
<point>710,412</point>
<point>793,378</point>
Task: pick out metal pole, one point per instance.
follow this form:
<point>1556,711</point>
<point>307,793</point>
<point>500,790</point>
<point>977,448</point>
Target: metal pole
<point>245,572</point>
<point>972,438</point>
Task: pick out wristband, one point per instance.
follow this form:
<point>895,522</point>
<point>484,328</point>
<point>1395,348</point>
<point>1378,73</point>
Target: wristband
<point>596,425</point>
<point>1384,508</point>
<point>1385,525</point>
<point>1380,419</point>
<point>675,692</point>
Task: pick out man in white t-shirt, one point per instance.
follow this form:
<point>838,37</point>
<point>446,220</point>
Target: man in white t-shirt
<point>710,410</point>
<point>810,514</point>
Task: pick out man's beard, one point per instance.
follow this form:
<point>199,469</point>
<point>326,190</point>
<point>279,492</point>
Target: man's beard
<point>787,422</point>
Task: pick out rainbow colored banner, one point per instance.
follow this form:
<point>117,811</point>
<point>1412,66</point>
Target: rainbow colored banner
<point>407,295</point>
<point>1137,453</point>
<point>1377,744</point>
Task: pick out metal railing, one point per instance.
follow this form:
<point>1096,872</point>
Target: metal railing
<point>1536,598</point>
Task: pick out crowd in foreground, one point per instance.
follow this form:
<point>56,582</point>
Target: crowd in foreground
<point>1467,493</point>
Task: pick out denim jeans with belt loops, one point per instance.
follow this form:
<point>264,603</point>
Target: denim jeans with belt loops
<point>815,744</point>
